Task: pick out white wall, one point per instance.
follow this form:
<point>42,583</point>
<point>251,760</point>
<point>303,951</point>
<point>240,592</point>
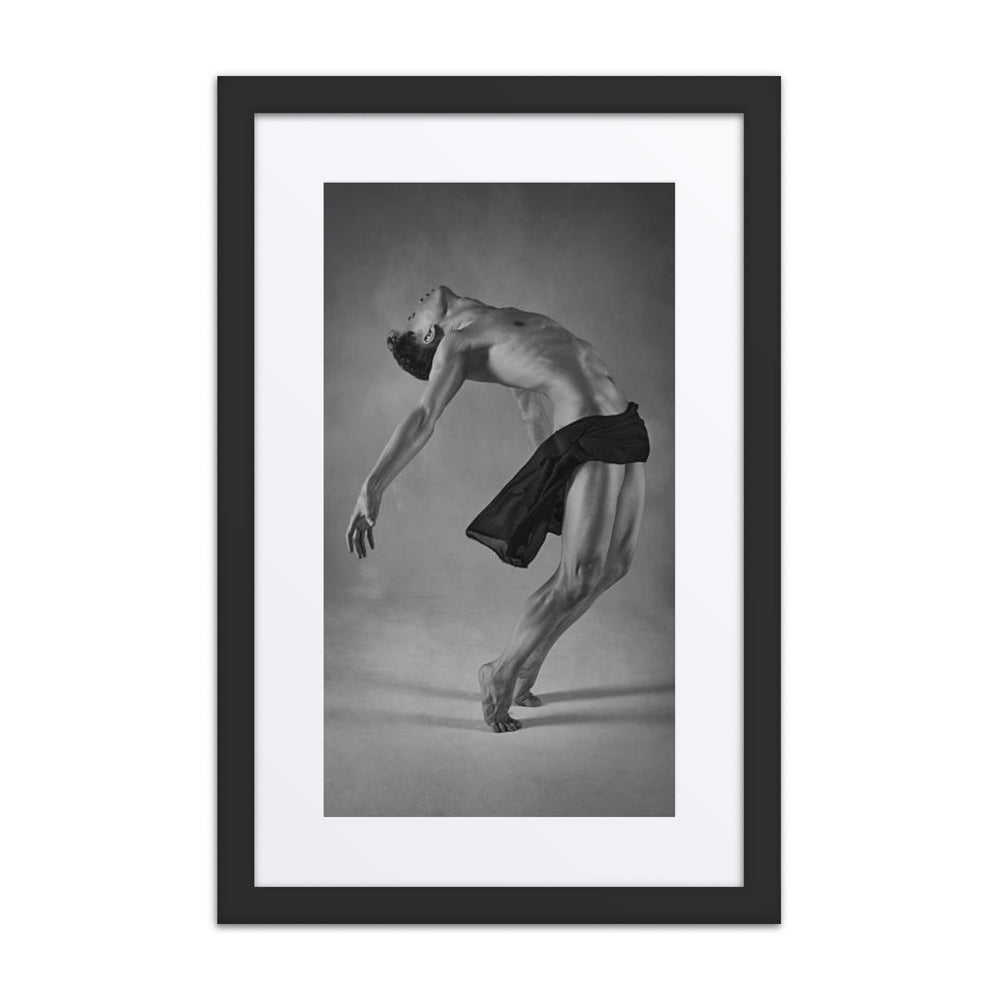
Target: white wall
<point>891,492</point>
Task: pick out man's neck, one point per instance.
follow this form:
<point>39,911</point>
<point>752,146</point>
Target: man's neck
<point>464,313</point>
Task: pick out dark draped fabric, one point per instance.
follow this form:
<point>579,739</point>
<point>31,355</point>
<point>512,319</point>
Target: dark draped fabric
<point>515,523</point>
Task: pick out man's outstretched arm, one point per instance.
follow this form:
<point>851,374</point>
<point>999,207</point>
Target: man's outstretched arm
<point>410,435</point>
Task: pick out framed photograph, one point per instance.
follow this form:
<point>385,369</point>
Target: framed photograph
<point>499,500</point>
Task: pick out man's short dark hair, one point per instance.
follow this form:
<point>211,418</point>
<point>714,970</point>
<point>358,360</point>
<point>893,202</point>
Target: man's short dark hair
<point>411,355</point>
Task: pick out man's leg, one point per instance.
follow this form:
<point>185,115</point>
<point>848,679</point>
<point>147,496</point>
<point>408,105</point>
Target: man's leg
<point>621,550</point>
<point>588,523</point>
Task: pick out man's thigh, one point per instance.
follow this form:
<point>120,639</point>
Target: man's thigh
<point>628,515</point>
<point>589,513</point>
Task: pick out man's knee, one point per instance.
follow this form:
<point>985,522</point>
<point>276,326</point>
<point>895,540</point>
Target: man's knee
<point>582,580</point>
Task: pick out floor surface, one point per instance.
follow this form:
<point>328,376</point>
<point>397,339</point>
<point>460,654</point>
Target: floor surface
<point>404,735</point>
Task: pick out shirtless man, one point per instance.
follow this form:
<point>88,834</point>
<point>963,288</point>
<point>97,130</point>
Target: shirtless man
<point>586,480</point>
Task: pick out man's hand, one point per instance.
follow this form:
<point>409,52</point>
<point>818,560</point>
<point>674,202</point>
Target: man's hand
<point>363,517</point>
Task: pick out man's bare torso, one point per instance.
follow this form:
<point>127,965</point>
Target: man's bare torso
<point>529,351</point>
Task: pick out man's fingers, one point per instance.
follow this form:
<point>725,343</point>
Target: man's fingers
<point>354,537</point>
<point>360,529</point>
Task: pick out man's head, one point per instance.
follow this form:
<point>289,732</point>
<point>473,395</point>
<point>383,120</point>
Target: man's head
<point>414,352</point>
<point>414,349</point>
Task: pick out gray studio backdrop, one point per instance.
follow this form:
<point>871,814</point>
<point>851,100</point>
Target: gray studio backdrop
<point>599,258</point>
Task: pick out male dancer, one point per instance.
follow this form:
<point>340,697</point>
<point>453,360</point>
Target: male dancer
<point>585,481</point>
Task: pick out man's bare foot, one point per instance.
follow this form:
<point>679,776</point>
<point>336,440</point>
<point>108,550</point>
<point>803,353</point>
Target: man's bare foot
<point>496,701</point>
<point>522,690</point>
<point>527,699</point>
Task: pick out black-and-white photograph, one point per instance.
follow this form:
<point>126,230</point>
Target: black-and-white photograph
<point>499,500</point>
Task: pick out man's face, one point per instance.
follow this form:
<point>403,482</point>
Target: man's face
<point>430,310</point>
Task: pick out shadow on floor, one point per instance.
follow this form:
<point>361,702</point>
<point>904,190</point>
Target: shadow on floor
<point>529,718</point>
<point>574,718</point>
<point>548,697</point>
<point>372,715</point>
<point>596,693</point>
<point>417,687</point>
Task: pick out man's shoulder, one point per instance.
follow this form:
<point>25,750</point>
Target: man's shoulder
<point>452,350</point>
<point>451,345</point>
<point>475,337</point>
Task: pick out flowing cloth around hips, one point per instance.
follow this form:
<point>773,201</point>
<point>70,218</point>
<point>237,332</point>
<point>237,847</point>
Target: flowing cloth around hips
<point>515,523</point>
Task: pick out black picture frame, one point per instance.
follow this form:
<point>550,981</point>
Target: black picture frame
<point>757,99</point>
